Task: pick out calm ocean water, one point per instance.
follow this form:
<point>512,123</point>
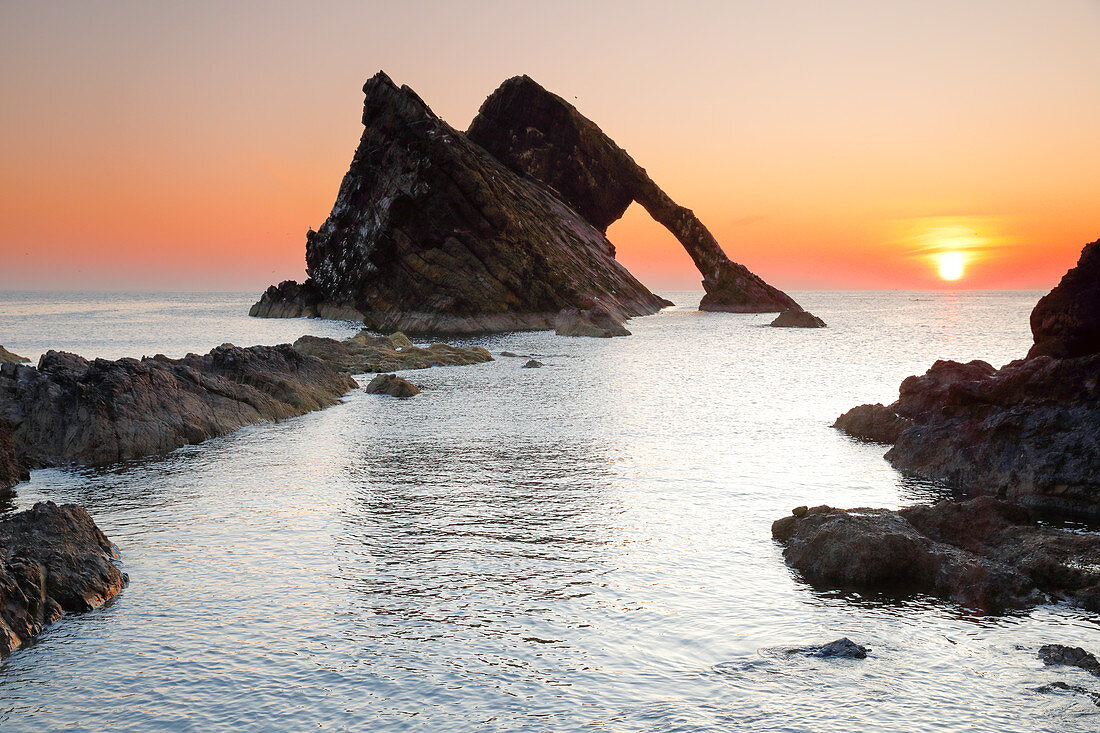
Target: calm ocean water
<point>582,547</point>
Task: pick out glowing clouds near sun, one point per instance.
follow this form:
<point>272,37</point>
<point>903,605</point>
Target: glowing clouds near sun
<point>947,249</point>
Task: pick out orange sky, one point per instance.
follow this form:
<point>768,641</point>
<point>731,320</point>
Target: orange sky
<point>826,145</point>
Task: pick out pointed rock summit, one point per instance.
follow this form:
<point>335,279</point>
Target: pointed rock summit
<point>498,229</point>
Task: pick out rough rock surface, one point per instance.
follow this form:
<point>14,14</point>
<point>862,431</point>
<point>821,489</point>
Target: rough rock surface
<point>797,318</point>
<point>984,554</point>
<point>597,322</point>
<point>363,353</point>
<point>6,355</point>
<point>54,561</point>
<point>1029,431</point>
<point>876,423</point>
<point>12,471</point>
<point>70,410</point>
<point>541,136</point>
<point>432,234</point>
<point>1066,321</point>
<point>392,385</point>
<point>1072,656</point>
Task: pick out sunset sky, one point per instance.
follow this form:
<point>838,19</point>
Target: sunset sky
<point>826,145</point>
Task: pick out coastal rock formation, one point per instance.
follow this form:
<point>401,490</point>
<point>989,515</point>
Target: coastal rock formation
<point>541,136</point>
<point>363,353</point>
<point>432,234</point>
<point>6,355</point>
<point>984,554</point>
<point>289,299</point>
<point>797,318</point>
<point>1029,431</point>
<point>392,385</point>
<point>53,561</point>
<point>11,470</point>
<point>876,423</point>
<point>596,322</point>
<point>1066,321</point>
<point>71,410</point>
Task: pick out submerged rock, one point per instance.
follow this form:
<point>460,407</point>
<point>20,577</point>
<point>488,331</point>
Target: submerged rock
<point>1029,431</point>
<point>596,321</point>
<point>984,554</point>
<point>1072,656</point>
<point>11,470</point>
<point>364,353</point>
<point>842,648</point>
<point>432,234</point>
<point>71,410</point>
<point>797,318</point>
<point>532,364</point>
<point>6,355</point>
<point>541,136</point>
<point>392,385</point>
<point>53,561</point>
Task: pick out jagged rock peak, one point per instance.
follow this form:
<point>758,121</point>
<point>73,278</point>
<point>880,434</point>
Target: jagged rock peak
<point>1066,321</point>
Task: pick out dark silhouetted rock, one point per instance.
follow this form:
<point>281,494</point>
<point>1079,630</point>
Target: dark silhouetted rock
<point>70,410</point>
<point>392,385</point>
<point>877,423</point>
<point>289,299</point>
<point>364,353</point>
<point>543,137</point>
<point>1072,656</point>
<point>596,321</point>
<point>532,364</point>
<point>842,648</point>
<point>985,554</point>
<point>1066,321</point>
<point>11,470</point>
<point>797,318</point>
<point>432,234</point>
<point>53,561</point>
<point>6,355</point>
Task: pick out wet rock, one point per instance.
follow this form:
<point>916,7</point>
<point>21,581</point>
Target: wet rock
<point>6,355</point>
<point>71,410</point>
<point>876,423</point>
<point>842,648</point>
<point>53,561</point>
<point>364,353</point>
<point>984,553</point>
<point>1072,656</point>
<point>12,471</point>
<point>544,138</point>
<point>508,354</point>
<point>532,364</point>
<point>392,385</point>
<point>797,318</point>
<point>1065,323</point>
<point>1060,685</point>
<point>432,234</point>
<point>597,322</point>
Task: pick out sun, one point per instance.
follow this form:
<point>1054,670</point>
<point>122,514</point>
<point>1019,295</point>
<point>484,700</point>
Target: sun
<point>951,265</point>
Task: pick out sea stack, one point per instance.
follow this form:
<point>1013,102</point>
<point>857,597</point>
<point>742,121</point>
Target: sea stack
<point>498,229</point>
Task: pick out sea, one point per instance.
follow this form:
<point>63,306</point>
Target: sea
<point>584,546</point>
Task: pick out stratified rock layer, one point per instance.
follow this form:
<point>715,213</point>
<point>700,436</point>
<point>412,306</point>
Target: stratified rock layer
<point>363,353</point>
<point>1029,431</point>
<point>540,135</point>
<point>71,410</point>
<point>431,234</point>
<point>984,554</point>
<point>53,560</point>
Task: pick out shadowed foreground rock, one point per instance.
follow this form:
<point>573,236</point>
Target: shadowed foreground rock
<point>54,561</point>
<point>6,355</point>
<point>363,353</point>
<point>792,318</point>
<point>432,234</point>
<point>11,470</point>
<point>984,554</point>
<point>1029,431</point>
<point>71,410</point>
<point>392,385</point>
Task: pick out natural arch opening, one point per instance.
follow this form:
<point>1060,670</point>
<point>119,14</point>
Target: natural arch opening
<point>652,254</point>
